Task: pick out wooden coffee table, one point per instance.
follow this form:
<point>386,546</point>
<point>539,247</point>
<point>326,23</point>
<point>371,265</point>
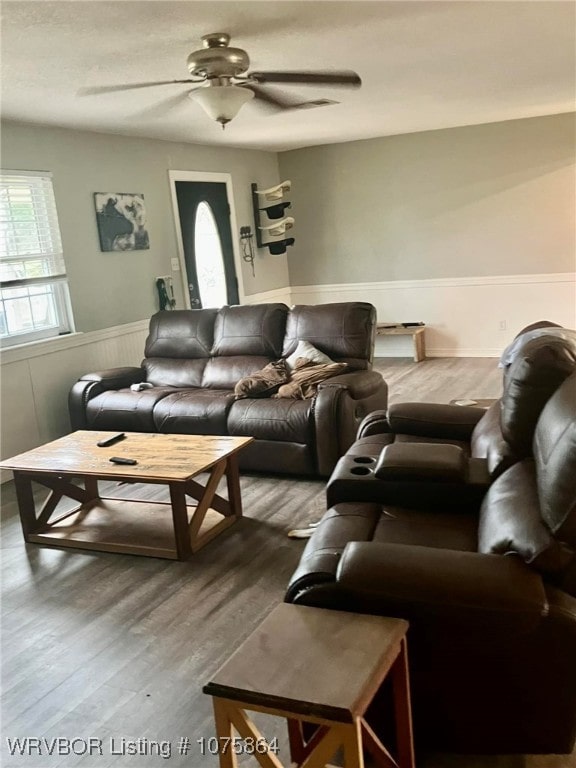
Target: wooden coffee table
<point>171,529</point>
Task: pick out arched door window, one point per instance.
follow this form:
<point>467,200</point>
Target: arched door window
<point>209,258</point>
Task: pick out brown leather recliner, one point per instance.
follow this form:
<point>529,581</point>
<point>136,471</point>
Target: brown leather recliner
<point>490,594</point>
<point>542,356</point>
<point>194,359</point>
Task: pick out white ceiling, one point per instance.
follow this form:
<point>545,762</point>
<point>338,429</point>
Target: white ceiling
<point>424,65</point>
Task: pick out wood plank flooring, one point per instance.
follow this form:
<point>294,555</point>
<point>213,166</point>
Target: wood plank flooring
<point>114,647</point>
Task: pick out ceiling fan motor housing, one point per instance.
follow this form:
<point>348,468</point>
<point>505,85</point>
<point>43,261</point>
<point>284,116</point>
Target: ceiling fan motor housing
<point>217,58</point>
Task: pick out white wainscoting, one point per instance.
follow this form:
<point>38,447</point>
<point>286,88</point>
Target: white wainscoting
<point>276,295</point>
<point>463,315</point>
<point>36,379</point>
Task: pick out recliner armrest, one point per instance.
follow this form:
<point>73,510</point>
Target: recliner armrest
<point>432,462</point>
<point>467,590</point>
<point>453,422</point>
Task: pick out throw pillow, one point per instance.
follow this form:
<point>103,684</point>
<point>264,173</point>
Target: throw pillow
<point>307,351</point>
<point>305,378</point>
<point>263,383</point>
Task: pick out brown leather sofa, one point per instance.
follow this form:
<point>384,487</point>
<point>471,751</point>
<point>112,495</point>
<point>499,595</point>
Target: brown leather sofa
<point>194,359</point>
<point>485,571</point>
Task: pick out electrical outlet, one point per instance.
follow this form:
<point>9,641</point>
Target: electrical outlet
<point>175,263</point>
<point>502,325</point>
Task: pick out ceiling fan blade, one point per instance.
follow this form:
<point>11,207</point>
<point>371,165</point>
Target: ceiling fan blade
<point>128,87</point>
<point>345,78</point>
<point>270,99</point>
<point>161,108</point>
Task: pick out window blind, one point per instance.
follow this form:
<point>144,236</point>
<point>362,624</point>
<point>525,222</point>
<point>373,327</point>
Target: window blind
<point>30,243</point>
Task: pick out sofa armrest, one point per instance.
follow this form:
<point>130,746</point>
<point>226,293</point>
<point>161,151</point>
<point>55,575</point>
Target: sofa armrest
<point>116,378</point>
<point>339,406</point>
<point>92,384</point>
<point>359,384</point>
<point>467,590</point>
<point>453,422</point>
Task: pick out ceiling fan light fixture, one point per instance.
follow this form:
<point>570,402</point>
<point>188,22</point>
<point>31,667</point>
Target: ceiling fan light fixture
<point>222,103</point>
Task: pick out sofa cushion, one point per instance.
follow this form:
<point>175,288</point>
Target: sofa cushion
<point>182,333</point>
<point>194,412</point>
<point>123,409</point>
<point>226,372</point>
<point>537,370</point>
<point>488,443</point>
<point>250,330</point>
<point>268,419</point>
<point>555,455</point>
<point>174,372</point>
<point>308,352</point>
<point>344,331</point>
<point>442,530</point>
<point>510,521</point>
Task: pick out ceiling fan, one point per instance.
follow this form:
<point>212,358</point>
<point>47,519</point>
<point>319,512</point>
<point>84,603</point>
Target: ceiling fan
<point>224,85</point>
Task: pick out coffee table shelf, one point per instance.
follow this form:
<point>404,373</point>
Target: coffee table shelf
<point>128,526</point>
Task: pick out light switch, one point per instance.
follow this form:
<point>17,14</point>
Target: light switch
<point>175,265</point>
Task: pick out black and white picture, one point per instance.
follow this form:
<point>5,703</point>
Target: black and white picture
<point>121,221</point>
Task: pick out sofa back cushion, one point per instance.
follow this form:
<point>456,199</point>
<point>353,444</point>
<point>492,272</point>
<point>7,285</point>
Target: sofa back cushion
<point>250,330</point>
<point>183,333</point>
<point>555,456</point>
<point>226,372</point>
<point>174,372</point>
<point>511,522</point>
<point>538,368</point>
<point>345,331</point>
<point>487,442</point>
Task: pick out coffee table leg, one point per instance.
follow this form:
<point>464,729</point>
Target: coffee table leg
<point>26,505</point>
<point>180,519</point>
<point>91,486</point>
<point>233,480</point>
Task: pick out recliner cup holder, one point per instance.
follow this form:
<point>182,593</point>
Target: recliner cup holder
<point>360,471</point>
<point>364,459</point>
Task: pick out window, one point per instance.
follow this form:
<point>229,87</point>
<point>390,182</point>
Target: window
<point>34,301</point>
<point>209,259</point>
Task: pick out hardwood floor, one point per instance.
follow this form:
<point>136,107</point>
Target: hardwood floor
<point>115,647</point>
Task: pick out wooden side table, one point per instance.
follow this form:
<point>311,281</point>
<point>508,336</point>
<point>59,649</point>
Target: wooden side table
<point>417,333</point>
<point>313,665</point>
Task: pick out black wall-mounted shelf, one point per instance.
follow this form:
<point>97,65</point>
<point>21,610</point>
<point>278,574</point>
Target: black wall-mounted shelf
<point>270,212</point>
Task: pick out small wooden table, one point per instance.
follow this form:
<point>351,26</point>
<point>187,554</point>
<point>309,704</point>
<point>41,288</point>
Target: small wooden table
<point>171,529</point>
<point>417,333</point>
<point>313,665</point>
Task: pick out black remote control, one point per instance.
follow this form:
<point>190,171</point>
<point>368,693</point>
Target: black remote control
<point>111,440</point>
<point>122,460</point>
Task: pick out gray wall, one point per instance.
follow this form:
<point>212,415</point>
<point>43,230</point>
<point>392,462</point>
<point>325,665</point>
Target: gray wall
<point>496,199</point>
<point>110,289</point>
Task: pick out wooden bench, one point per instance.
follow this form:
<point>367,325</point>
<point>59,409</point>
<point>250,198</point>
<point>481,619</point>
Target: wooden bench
<point>321,668</point>
<point>416,331</point>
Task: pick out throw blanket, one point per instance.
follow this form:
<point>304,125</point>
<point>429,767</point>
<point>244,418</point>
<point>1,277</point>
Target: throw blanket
<point>306,376</point>
<point>263,383</point>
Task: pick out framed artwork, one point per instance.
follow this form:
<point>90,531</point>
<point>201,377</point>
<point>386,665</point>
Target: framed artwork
<point>121,219</point>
